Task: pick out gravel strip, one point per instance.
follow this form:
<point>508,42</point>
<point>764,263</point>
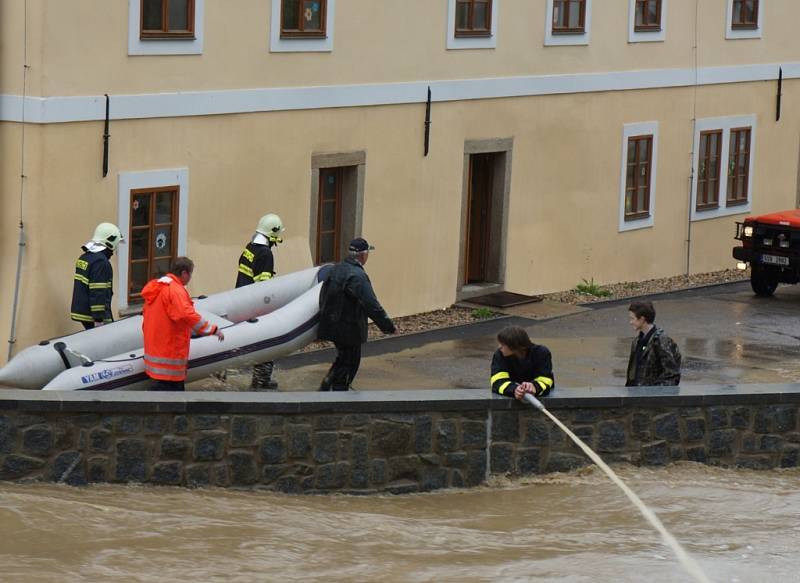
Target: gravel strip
<point>629,289</point>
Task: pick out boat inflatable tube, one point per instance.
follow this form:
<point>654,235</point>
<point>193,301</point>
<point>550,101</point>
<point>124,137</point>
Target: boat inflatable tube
<point>36,366</point>
<point>253,341</point>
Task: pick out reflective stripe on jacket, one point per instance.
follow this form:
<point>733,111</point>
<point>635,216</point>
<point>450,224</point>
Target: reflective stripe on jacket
<point>169,320</point>
<point>255,264</point>
<point>535,368</point>
<point>92,288</point>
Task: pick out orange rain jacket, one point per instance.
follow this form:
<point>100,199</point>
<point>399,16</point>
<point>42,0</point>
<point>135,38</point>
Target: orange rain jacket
<point>169,320</point>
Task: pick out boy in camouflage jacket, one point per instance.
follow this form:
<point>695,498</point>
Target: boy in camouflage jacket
<point>655,359</point>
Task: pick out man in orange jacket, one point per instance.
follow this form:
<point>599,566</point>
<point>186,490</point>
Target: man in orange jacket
<point>169,320</point>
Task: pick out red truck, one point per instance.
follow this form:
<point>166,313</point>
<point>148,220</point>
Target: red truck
<point>771,245</point>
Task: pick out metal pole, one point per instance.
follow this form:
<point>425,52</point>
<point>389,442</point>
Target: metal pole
<point>13,334</point>
<point>12,337</point>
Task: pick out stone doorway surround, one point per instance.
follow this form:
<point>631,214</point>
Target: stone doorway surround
<point>355,167</point>
<point>501,189</point>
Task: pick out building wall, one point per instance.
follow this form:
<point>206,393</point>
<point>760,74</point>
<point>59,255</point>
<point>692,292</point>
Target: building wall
<point>563,215</point>
<point>564,201</point>
<point>404,41</point>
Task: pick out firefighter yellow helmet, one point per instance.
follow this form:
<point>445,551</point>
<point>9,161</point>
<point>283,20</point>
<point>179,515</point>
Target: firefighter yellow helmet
<point>270,225</point>
<point>107,234</point>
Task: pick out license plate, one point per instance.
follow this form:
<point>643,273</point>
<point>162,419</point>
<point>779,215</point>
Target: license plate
<point>774,260</point>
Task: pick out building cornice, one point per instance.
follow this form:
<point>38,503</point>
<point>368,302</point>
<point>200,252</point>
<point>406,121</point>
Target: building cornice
<point>63,109</point>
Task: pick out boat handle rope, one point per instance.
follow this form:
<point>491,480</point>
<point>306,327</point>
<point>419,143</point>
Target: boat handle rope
<point>61,348</point>
<point>132,357</point>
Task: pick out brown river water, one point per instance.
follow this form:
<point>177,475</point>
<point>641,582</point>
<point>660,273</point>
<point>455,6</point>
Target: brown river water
<point>739,525</point>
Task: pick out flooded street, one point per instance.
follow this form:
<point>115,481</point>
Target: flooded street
<point>726,335</point>
<point>739,525</point>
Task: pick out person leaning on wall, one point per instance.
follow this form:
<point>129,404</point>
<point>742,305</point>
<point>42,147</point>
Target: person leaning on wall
<point>655,359</point>
<point>169,320</point>
<point>519,366</point>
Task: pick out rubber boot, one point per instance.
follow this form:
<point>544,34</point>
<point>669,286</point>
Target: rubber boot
<point>262,377</point>
<point>325,385</point>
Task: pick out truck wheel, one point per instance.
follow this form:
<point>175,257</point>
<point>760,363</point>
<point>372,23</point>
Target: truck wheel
<point>762,283</point>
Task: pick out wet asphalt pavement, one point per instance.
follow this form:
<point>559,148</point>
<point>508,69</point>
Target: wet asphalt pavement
<point>725,333</point>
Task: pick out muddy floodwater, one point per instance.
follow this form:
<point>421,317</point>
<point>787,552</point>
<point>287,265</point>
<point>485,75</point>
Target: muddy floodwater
<point>739,525</point>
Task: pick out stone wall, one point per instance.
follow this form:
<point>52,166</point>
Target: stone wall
<point>367,442</point>
<point>754,436</point>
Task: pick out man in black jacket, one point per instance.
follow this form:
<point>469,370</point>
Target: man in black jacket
<point>345,302</point>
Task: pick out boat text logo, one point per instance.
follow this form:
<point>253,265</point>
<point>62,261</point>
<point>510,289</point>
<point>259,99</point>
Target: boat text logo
<point>107,373</point>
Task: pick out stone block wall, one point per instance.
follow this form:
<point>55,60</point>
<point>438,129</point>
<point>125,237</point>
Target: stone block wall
<point>754,436</point>
<point>359,453</point>
<point>398,442</point>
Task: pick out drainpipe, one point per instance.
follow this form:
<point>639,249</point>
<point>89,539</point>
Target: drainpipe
<point>12,336</point>
<point>694,129</point>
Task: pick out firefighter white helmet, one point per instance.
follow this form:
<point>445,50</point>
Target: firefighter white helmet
<point>270,225</point>
<point>108,234</point>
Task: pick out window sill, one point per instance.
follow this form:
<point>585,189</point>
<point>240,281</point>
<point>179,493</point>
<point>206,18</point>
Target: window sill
<point>303,36</point>
<point>741,202</point>
<point>651,29</point>
<point>563,32</point>
<point>150,38</point>
<point>481,34</point>
<point>637,217</point>
<point>707,207</point>
<point>744,27</point>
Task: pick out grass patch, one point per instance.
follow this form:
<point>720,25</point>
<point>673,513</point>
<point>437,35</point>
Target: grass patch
<point>592,289</point>
<point>482,313</point>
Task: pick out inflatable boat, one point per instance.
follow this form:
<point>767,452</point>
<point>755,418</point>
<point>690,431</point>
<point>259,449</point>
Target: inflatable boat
<point>255,340</point>
<point>35,366</point>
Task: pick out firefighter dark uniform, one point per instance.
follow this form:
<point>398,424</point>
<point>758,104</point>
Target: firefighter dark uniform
<point>91,290</point>
<point>536,368</point>
<point>257,264</point>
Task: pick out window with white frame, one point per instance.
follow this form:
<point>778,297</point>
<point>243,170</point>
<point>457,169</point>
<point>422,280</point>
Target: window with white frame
<point>638,175</point>
<point>647,20</point>
<point>472,24</point>
<point>302,26</point>
<point>744,19</point>
<point>723,166</point>
<point>568,22</point>
<point>153,214</point>
<point>165,27</point>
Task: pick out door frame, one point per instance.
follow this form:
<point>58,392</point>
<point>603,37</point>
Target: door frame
<point>501,188</point>
<point>355,164</point>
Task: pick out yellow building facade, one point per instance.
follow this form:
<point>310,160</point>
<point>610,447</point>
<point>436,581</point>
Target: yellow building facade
<point>609,139</point>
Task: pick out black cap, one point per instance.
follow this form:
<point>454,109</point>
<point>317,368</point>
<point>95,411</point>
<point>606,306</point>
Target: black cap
<point>359,245</point>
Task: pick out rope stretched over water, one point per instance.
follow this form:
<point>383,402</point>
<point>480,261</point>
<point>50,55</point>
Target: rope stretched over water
<point>69,469</point>
<point>686,561</point>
